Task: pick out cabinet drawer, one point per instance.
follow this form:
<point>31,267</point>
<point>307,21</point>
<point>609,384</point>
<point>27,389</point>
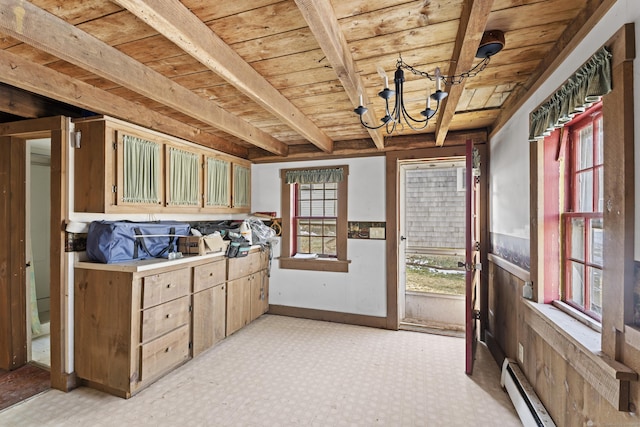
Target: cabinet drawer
<point>164,318</point>
<point>208,275</point>
<point>240,267</point>
<point>164,353</point>
<point>164,287</point>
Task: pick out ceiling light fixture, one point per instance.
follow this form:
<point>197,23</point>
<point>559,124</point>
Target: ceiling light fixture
<point>492,42</point>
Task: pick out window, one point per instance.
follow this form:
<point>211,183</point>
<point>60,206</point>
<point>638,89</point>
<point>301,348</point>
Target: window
<point>583,223</point>
<point>314,219</point>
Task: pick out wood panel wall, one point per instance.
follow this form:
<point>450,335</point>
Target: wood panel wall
<point>565,393</point>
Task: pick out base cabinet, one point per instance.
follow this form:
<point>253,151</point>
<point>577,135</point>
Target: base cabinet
<point>209,317</point>
<point>247,293</point>
<point>133,325</point>
<point>130,329</point>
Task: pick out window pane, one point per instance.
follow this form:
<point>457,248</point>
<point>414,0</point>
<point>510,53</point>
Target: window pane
<point>317,207</point>
<point>599,146</point>
<point>331,194</point>
<point>585,147</point>
<point>329,228</point>
<point>303,244</point>
<point>600,195</point>
<point>595,289</point>
<point>330,246</point>
<point>584,181</point>
<point>577,238</point>
<point>316,228</point>
<point>577,283</point>
<point>304,208</point>
<point>315,245</point>
<point>597,241</point>
<point>330,208</point>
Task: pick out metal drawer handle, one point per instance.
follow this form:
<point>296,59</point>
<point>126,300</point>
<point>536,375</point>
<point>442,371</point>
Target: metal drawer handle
<point>170,285</point>
<point>169,315</point>
<point>167,350</point>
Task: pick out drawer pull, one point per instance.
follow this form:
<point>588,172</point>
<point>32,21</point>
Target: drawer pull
<point>170,285</point>
<point>167,350</point>
<point>169,315</point>
<point>210,274</point>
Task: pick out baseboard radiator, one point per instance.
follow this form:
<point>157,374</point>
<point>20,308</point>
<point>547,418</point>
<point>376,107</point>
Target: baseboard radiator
<point>530,410</point>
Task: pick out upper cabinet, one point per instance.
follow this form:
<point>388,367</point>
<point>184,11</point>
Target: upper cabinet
<point>121,167</point>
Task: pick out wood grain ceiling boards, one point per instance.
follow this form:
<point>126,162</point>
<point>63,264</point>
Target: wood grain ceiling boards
<point>278,79</point>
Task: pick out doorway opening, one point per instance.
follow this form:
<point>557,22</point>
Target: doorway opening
<point>38,254</point>
<point>432,251</point>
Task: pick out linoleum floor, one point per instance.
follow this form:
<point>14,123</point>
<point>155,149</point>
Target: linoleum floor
<point>282,371</point>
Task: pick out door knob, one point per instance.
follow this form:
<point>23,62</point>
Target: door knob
<point>402,238</point>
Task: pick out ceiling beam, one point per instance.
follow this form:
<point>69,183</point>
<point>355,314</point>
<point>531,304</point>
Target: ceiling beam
<point>22,73</point>
<point>30,106</point>
<point>177,23</point>
<point>42,30</point>
<point>473,21</point>
<point>323,23</point>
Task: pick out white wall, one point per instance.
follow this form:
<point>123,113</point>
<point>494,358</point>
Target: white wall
<point>363,289</point>
<point>509,169</point>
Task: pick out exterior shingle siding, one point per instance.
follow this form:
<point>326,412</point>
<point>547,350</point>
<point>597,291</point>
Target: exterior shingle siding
<point>434,209</point>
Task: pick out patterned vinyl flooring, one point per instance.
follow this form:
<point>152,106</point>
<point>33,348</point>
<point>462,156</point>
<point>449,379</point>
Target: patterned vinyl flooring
<point>282,371</point>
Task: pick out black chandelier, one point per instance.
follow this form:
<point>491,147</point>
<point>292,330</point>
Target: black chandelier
<point>492,42</point>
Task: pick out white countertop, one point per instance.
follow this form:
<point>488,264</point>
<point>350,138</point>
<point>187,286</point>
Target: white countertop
<point>143,265</point>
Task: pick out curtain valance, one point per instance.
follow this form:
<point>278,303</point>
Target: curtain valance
<point>584,87</point>
<point>314,176</point>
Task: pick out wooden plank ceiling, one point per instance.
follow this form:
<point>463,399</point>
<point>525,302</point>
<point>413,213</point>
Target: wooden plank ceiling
<point>270,79</point>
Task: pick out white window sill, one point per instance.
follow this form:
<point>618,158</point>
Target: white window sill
<point>580,346</point>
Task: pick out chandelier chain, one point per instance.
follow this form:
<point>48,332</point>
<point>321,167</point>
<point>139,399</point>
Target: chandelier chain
<point>452,80</point>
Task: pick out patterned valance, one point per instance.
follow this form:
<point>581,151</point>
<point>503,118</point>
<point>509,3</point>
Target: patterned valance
<point>314,176</point>
<point>586,86</point>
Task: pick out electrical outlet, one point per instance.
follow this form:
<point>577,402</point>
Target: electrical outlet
<point>520,353</point>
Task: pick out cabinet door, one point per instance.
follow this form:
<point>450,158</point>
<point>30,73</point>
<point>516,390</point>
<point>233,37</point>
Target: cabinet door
<point>139,170</point>
<point>238,304</point>
<point>184,176</point>
<point>259,294</point>
<point>209,317</point>
<point>217,183</point>
<point>241,188</point>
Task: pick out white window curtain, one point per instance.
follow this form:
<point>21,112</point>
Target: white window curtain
<point>217,182</point>
<point>141,170</point>
<point>184,182</point>
<point>314,176</point>
<point>241,186</point>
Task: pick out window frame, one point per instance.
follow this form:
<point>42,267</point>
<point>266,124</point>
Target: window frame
<point>591,117</point>
<point>340,263</point>
<point>297,217</point>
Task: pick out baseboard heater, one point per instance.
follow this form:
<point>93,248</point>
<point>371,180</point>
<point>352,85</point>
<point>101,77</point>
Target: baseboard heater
<point>530,409</point>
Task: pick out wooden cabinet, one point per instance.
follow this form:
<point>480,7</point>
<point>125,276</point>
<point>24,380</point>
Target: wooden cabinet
<point>130,327</point>
<point>247,289</point>
<point>134,322</point>
<point>168,174</point>
<point>209,304</point>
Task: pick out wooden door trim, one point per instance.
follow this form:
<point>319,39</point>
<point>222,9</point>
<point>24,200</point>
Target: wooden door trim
<point>57,129</point>
<point>392,207</point>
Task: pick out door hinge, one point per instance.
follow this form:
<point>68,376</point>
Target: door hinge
<point>114,188</point>
<point>476,314</point>
<point>115,146</point>
<point>470,267</point>
<point>477,246</point>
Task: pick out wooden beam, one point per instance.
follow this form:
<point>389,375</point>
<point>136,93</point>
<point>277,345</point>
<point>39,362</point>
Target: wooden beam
<point>362,147</point>
<point>323,23</point>
<point>18,72</point>
<point>30,106</point>
<point>567,42</point>
<point>44,31</point>
<point>177,23</point>
<point>473,22</point>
